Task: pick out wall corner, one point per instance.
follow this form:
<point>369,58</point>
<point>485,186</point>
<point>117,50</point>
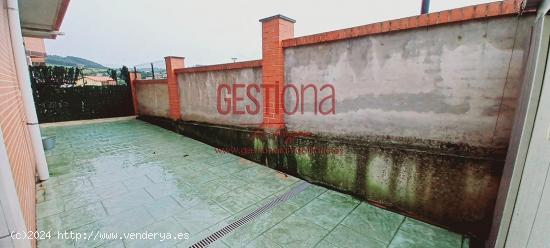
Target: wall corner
<point>172,64</point>
<point>275,29</point>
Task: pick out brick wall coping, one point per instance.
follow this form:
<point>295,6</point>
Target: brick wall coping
<point>151,81</point>
<point>493,9</point>
<point>222,67</point>
<point>278,17</point>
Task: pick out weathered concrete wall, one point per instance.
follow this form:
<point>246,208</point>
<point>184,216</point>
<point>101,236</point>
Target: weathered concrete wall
<point>453,191</point>
<point>423,117</point>
<point>152,99</point>
<point>450,191</point>
<point>198,96</point>
<point>453,83</point>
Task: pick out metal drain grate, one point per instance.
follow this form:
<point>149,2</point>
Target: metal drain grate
<point>249,217</point>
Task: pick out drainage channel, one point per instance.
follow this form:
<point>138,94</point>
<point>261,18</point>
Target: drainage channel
<point>251,216</point>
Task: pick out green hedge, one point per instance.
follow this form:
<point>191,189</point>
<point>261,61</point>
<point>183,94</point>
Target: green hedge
<point>79,103</point>
<point>58,99</point>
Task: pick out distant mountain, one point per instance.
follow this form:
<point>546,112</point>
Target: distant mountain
<point>72,61</point>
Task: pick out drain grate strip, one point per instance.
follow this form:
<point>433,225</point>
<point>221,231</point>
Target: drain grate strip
<point>249,217</point>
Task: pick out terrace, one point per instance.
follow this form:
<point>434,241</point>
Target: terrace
<point>128,176</point>
<point>434,134</point>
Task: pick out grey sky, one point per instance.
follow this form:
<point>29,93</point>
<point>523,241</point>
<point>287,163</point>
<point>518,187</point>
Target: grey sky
<point>207,31</point>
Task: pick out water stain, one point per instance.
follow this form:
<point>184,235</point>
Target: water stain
<point>448,184</point>
<point>400,102</point>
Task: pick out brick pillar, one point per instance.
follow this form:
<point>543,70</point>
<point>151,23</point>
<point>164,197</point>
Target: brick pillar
<point>173,63</point>
<point>275,29</point>
<point>133,77</point>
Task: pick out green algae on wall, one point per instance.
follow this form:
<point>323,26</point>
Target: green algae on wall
<point>377,178</point>
<point>304,165</point>
<point>341,170</point>
<point>434,185</point>
<point>446,189</point>
<point>258,146</point>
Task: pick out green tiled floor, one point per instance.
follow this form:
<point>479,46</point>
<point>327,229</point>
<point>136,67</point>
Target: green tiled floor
<point>132,177</point>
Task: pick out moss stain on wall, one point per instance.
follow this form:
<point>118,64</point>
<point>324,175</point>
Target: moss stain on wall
<point>450,190</point>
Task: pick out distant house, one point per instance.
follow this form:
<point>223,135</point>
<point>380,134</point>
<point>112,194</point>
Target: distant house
<point>95,81</point>
<point>35,50</point>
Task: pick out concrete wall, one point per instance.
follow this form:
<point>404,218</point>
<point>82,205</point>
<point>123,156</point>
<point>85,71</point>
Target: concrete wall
<point>423,117</point>
<point>152,99</point>
<point>198,96</point>
<point>452,83</point>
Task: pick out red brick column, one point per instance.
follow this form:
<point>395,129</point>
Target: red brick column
<point>173,63</point>
<point>133,77</point>
<point>275,29</point>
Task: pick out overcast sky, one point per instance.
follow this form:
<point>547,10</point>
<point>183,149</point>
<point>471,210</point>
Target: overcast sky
<point>133,32</point>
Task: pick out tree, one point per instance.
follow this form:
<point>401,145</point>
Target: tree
<point>112,74</point>
<point>54,76</point>
<point>125,74</point>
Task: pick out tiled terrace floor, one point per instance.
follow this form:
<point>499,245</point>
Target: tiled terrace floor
<point>129,176</point>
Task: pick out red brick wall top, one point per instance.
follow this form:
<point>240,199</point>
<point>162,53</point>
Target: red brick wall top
<point>221,67</point>
<point>493,9</point>
<point>151,81</point>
